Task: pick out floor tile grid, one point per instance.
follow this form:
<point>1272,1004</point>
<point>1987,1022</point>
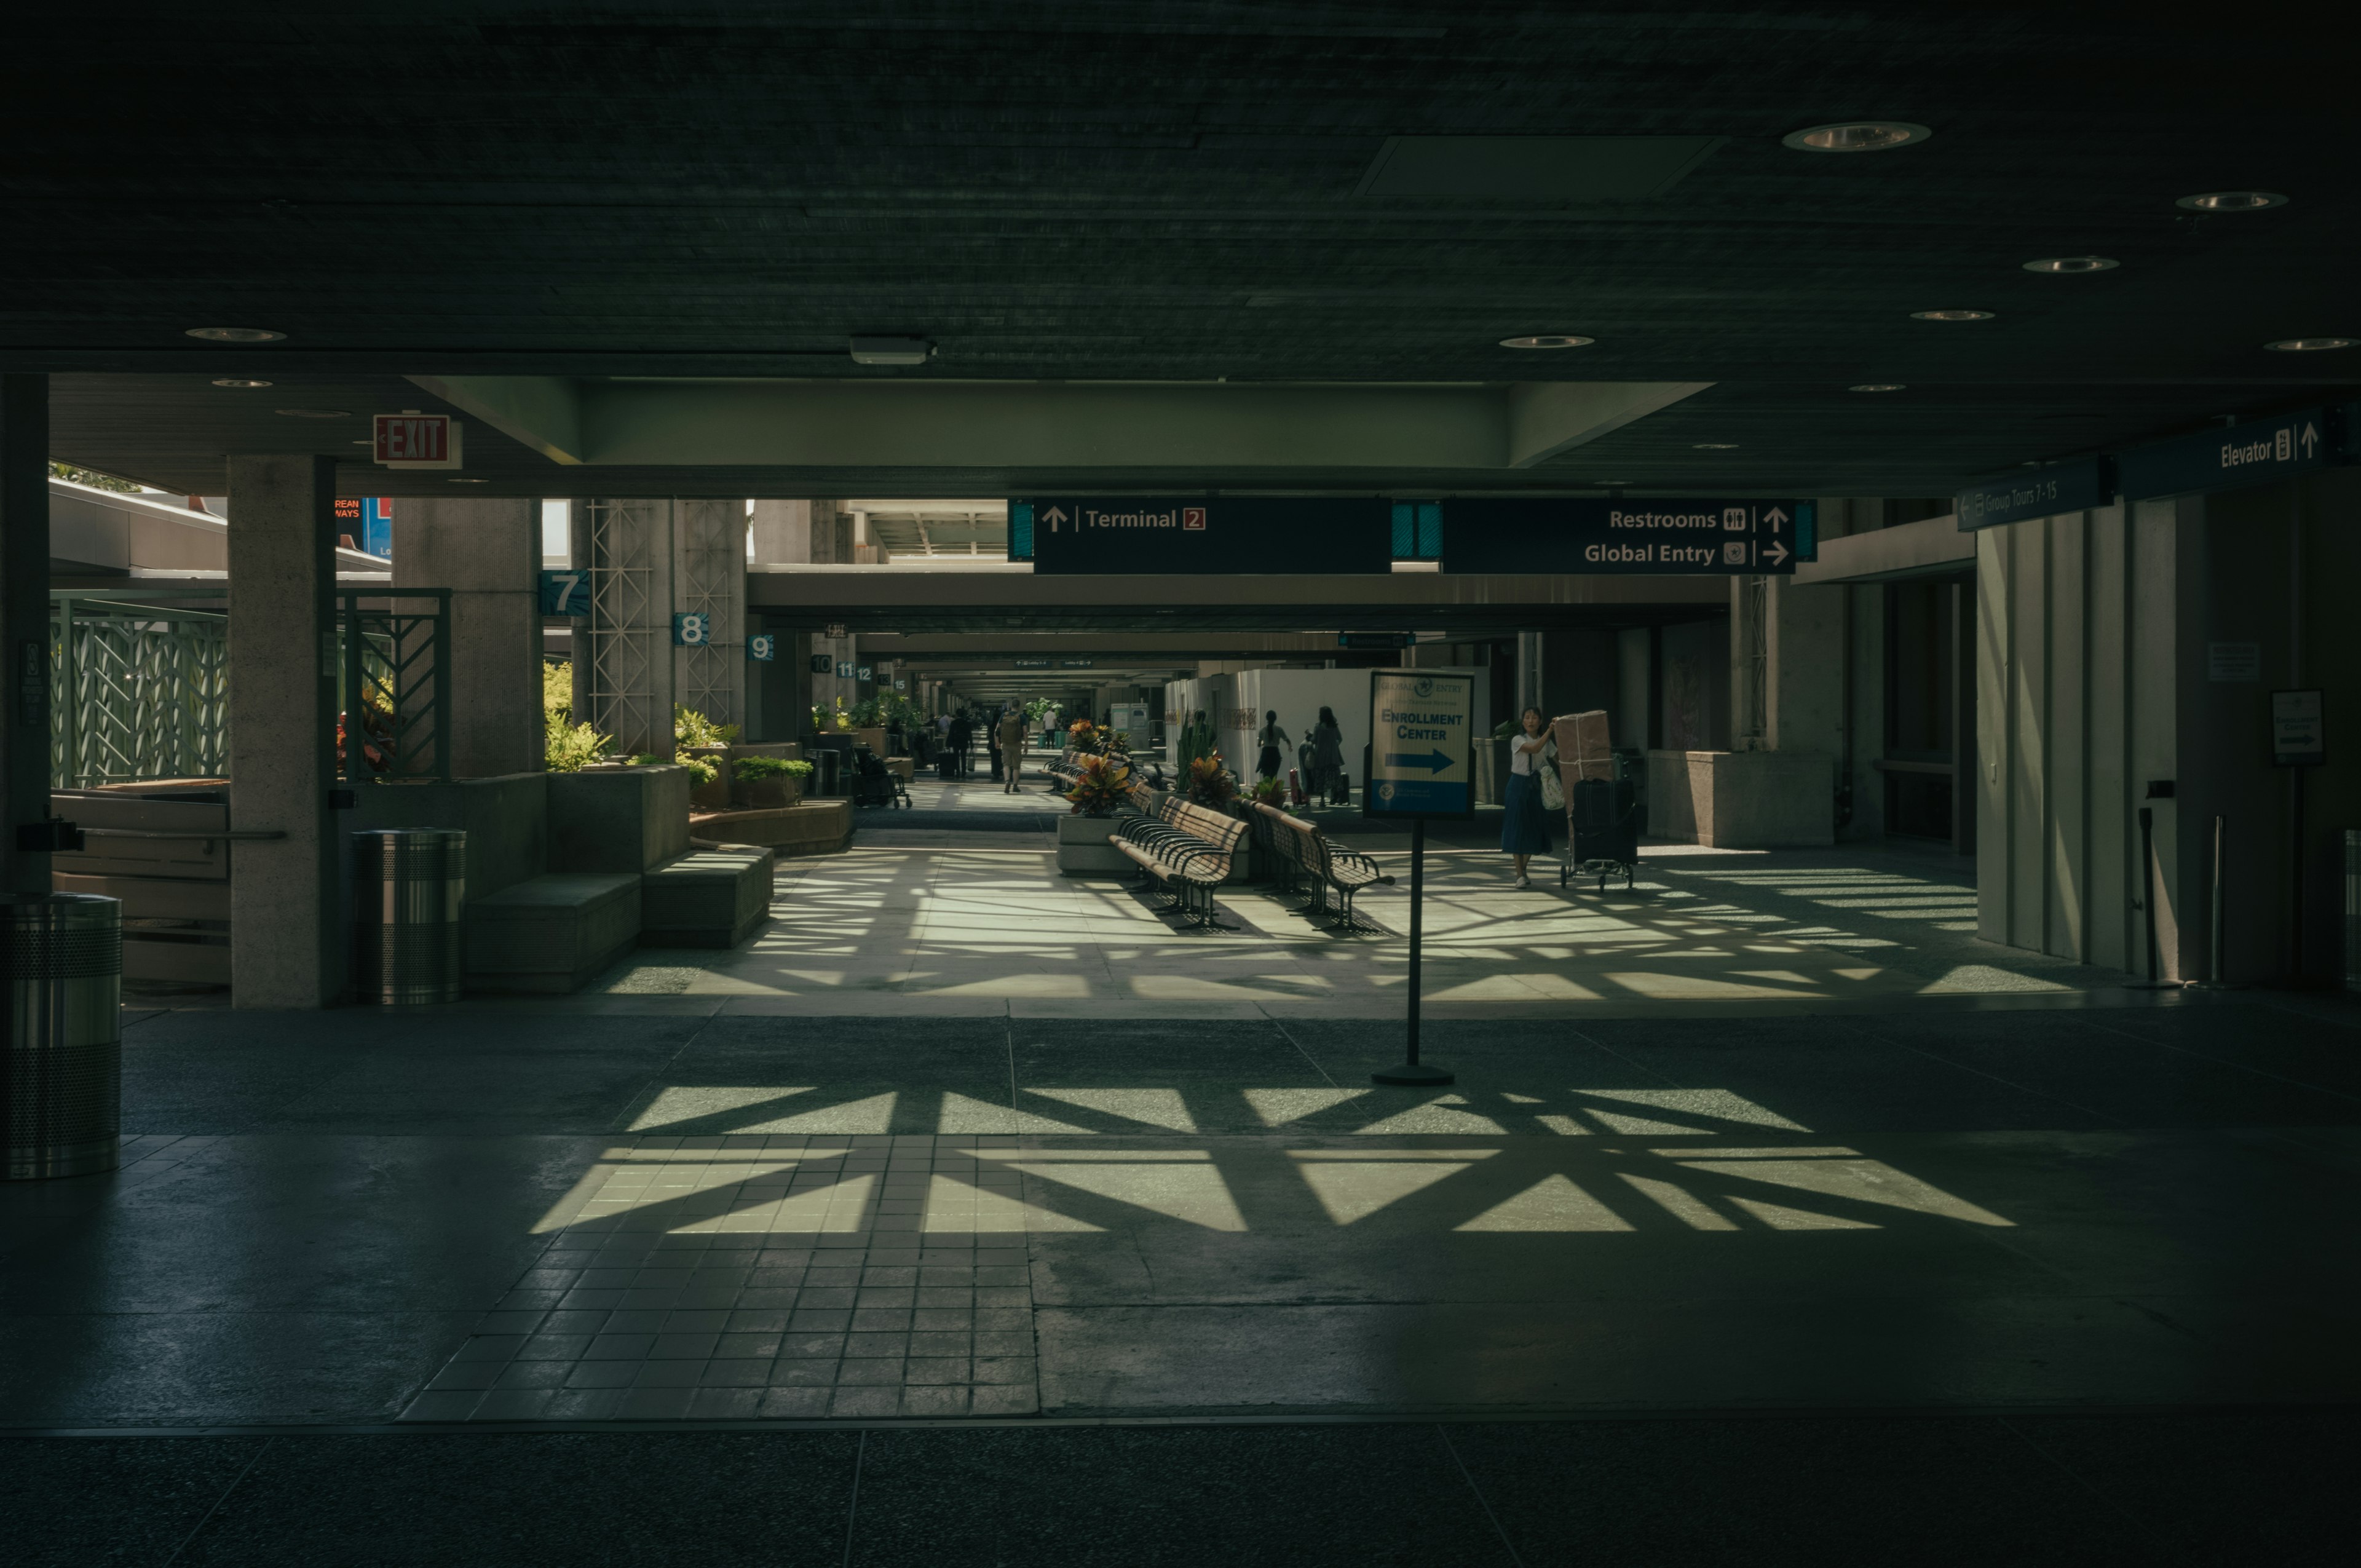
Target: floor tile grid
<point>686,1282</point>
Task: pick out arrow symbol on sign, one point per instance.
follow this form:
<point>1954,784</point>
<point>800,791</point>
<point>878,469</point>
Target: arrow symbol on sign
<point>1433,761</point>
<point>1777,551</point>
<point>1774,517</point>
<point>2311,439</point>
<point>1053,516</point>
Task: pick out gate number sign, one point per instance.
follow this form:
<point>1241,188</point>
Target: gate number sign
<point>763,647</point>
<point>692,629</point>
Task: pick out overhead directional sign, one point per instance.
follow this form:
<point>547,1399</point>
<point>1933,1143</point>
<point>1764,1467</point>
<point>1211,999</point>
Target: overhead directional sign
<point>2251,453</point>
<point>1712,538</point>
<point>1422,748</point>
<point>2037,492</point>
<point>1200,535</point>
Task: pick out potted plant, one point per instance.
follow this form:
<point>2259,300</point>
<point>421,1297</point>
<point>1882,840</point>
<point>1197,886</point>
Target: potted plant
<point>767,783</point>
<point>1213,786</point>
<point>1102,790</point>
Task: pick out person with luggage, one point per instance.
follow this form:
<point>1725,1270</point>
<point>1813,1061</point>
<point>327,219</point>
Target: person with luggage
<point>1012,750</point>
<point>1524,826</point>
<point>1327,743</point>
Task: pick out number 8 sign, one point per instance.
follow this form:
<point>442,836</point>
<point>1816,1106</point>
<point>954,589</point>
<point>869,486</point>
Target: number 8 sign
<point>692,629</point>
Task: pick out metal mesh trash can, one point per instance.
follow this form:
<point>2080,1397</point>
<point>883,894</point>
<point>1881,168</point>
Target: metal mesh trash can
<point>409,885</point>
<point>61,1099</point>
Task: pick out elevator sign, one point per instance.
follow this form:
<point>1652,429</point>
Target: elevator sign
<point>1422,748</point>
<point>2251,453</point>
<point>413,440</point>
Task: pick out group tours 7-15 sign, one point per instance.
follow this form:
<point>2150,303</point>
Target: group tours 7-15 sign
<point>1421,744</point>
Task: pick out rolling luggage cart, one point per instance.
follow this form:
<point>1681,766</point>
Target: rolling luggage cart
<point>1602,818</point>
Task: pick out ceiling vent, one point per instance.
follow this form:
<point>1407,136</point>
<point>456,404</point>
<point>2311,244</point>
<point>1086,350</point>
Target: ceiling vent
<point>1534,169</point>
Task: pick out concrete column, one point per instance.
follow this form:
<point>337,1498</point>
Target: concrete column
<point>287,925</point>
<point>1529,692</point>
<point>1804,680</point>
<point>782,533</point>
<point>487,553</point>
<point>23,624</point>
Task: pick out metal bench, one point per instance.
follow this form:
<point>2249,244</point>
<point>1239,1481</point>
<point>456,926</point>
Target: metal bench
<point>1309,860</point>
<point>1186,849</point>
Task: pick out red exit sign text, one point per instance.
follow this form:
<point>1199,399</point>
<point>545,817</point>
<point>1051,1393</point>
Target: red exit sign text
<point>417,441</point>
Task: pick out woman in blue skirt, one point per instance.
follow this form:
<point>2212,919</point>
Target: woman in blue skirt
<point>1524,827</point>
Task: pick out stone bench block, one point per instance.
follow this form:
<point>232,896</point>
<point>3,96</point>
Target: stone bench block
<point>807,828</point>
<point>551,933</point>
<point>714,898</point>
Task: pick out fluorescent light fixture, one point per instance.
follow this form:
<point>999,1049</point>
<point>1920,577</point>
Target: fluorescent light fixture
<point>1951,315</point>
<point>2311,345</point>
<point>891,350</point>
<point>237,333</point>
<point>471,481</point>
<point>1548,340</point>
<point>1856,136</point>
<point>1878,387</point>
<point>1713,446</point>
<point>2231,200</point>
<point>314,413</point>
<point>236,381</point>
<point>2074,264</point>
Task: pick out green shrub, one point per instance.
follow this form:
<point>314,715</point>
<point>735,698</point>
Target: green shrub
<point>567,747</point>
<point>703,772</point>
<point>747,770</point>
<point>690,728</point>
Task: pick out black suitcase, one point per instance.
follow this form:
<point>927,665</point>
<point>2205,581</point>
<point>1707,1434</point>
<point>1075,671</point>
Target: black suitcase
<point>947,765</point>
<point>1605,825</point>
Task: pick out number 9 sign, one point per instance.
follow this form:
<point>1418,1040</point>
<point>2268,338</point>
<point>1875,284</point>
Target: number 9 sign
<point>763,647</point>
<point>692,629</point>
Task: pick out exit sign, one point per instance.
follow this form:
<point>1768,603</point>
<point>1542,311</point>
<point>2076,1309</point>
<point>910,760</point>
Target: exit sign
<point>417,441</point>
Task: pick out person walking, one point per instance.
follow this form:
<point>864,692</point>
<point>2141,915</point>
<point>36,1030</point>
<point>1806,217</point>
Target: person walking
<point>1524,827</point>
<point>1274,742</point>
<point>963,738</point>
<point>1012,750</point>
<point>1328,756</point>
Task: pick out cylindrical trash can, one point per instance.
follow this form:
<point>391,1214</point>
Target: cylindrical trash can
<point>409,885</point>
<point>61,1099</point>
<point>825,764</point>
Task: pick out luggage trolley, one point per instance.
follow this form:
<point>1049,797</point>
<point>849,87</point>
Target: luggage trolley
<point>1602,816</point>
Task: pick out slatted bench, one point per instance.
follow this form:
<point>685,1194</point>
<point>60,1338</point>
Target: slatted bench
<point>1309,860</point>
<point>1065,770</point>
<point>1184,847</point>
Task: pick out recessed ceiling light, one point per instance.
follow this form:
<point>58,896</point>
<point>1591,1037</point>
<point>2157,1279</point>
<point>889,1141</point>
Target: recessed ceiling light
<point>1714,445</point>
<point>2233,202</point>
<point>236,381</point>
<point>313,414</point>
<point>1548,340</point>
<point>891,350</point>
<point>1951,315</point>
<point>1856,136</point>
<point>2074,264</point>
<point>236,334</point>
<point>1878,387</point>
<point>2310,344</point>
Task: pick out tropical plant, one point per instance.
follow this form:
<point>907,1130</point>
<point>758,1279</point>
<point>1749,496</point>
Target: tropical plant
<point>699,769</point>
<point>1210,784</point>
<point>1101,784</point>
<point>567,747</point>
<point>747,770</point>
<point>94,479</point>
<point>377,734</point>
<point>1039,706</point>
<point>1096,740</point>
<point>1267,791</point>
<point>690,728</point>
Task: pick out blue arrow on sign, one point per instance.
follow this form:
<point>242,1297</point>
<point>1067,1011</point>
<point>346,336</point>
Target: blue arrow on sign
<point>1434,763</point>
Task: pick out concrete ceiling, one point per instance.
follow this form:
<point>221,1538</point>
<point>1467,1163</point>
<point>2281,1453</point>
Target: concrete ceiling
<point>1326,206</point>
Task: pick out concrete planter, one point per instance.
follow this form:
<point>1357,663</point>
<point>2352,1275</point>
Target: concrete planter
<point>1083,850</point>
<point>760,794</point>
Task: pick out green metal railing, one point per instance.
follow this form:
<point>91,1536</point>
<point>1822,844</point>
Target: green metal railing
<point>139,684</point>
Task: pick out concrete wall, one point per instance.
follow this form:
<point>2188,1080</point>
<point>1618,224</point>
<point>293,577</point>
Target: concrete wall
<point>506,821</point>
<point>617,820</point>
<point>1695,686</point>
<point>1741,800</point>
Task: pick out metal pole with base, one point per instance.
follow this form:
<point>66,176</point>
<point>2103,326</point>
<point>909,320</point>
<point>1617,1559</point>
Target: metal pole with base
<point>1413,1071</point>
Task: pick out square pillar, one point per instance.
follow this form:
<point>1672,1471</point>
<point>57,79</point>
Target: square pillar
<point>487,553</point>
<point>24,623</point>
<point>286,924</point>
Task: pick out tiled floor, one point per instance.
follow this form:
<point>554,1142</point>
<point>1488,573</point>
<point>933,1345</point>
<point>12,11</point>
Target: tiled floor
<point>736,1278</point>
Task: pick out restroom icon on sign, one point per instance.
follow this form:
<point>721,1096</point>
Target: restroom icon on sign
<point>1733,519</point>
